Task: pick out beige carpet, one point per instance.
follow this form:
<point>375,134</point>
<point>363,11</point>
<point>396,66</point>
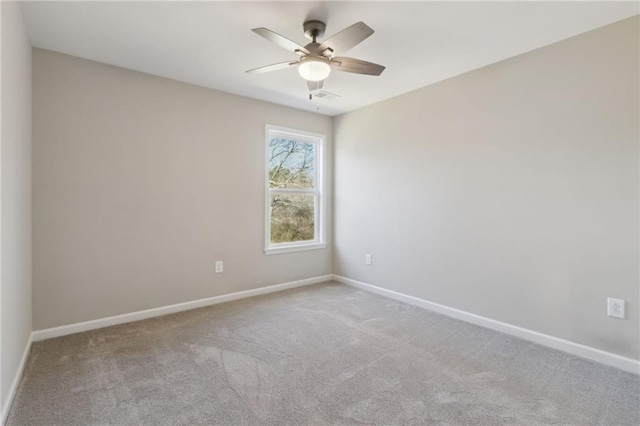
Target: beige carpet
<point>324,354</point>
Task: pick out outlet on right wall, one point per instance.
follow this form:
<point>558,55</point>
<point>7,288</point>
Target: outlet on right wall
<point>510,192</point>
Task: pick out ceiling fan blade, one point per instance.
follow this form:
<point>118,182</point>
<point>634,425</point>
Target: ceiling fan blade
<point>315,85</point>
<point>346,39</point>
<point>356,66</point>
<point>281,41</point>
<point>272,67</point>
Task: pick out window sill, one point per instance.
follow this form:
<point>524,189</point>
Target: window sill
<point>292,248</point>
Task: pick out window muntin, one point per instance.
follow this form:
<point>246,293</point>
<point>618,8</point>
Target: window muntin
<point>294,202</point>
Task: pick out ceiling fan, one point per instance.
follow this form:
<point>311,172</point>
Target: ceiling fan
<point>318,59</point>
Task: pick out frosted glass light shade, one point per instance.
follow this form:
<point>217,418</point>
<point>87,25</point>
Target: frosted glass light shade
<point>314,69</point>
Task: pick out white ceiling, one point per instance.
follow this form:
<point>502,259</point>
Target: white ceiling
<point>210,43</point>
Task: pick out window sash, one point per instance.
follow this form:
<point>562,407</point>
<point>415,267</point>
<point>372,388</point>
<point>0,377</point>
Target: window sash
<point>316,154</point>
<point>316,227</point>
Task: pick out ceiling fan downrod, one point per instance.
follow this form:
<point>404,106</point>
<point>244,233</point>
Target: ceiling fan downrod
<point>314,29</point>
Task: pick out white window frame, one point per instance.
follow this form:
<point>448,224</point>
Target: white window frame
<point>319,241</point>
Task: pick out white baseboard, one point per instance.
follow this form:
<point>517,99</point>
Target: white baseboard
<point>164,310</point>
<point>603,357</point>
<point>16,382</point>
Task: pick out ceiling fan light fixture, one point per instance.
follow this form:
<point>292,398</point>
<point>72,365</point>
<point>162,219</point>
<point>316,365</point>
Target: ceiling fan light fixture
<point>314,68</point>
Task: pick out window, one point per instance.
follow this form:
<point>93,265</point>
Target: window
<point>294,198</point>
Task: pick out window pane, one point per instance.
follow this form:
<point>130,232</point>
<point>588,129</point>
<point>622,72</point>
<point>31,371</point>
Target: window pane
<point>292,217</point>
<point>291,163</point>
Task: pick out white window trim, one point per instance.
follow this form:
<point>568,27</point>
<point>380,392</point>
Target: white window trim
<point>320,204</point>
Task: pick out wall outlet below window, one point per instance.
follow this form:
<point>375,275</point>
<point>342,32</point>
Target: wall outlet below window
<point>219,266</point>
<point>367,259</point>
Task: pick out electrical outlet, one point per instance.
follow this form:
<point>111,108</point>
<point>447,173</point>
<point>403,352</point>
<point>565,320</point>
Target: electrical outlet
<point>615,308</point>
<point>219,266</point>
<point>367,259</point>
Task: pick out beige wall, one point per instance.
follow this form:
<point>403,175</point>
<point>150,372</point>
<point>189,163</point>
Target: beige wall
<point>15,229</point>
<point>141,183</point>
<point>510,192</point>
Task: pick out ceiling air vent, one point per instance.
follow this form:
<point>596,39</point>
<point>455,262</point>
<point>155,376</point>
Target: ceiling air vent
<point>321,94</point>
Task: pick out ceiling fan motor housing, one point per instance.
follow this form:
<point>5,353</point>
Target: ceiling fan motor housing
<point>314,29</point>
